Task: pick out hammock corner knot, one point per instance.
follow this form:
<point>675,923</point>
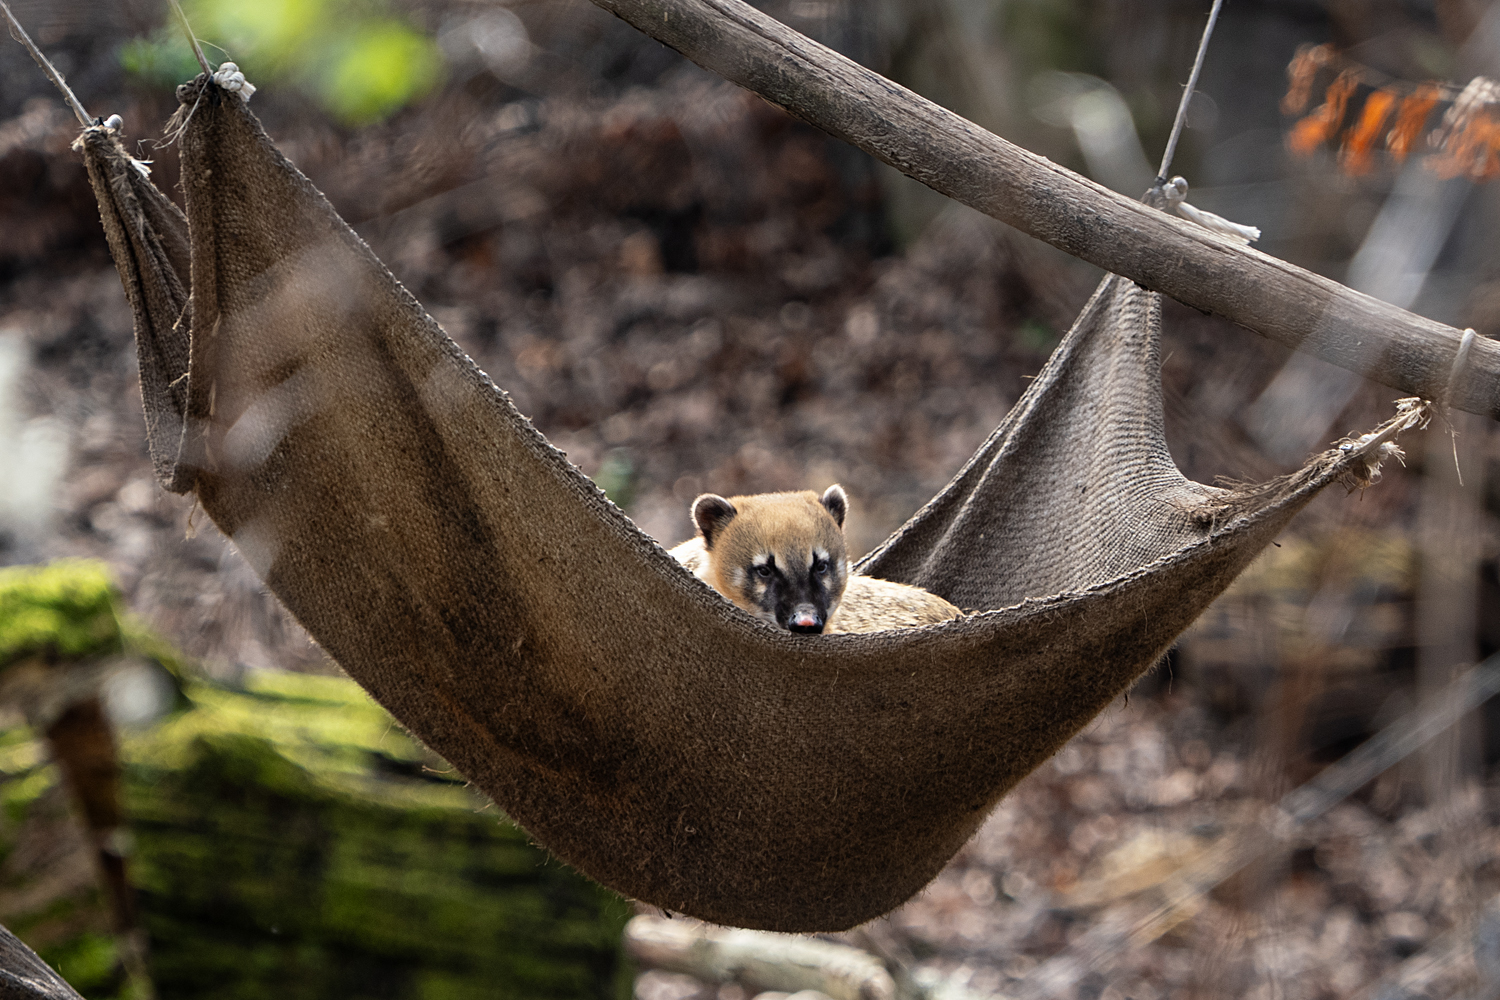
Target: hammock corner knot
<point>1174,193</point>
<point>229,77</point>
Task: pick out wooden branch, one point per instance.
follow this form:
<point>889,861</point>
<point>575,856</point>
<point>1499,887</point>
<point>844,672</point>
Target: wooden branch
<point>957,158</point>
<point>761,960</point>
<point>1177,897</point>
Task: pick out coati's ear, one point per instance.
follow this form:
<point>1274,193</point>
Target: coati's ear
<point>712,514</point>
<point>836,502</point>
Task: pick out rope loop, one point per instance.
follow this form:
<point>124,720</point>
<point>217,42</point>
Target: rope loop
<point>1459,361</point>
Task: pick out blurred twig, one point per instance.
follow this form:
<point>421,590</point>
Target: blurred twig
<point>760,959</point>
<point>19,34</point>
<point>1177,896</point>
<point>1187,95</point>
<point>192,38</point>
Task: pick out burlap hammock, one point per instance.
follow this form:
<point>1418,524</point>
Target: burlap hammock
<point>630,719</point>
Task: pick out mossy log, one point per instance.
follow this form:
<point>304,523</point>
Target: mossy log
<point>289,840</point>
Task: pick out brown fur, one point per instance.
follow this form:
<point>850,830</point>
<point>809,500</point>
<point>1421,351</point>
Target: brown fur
<point>871,604</point>
<point>791,534</point>
<point>790,524</point>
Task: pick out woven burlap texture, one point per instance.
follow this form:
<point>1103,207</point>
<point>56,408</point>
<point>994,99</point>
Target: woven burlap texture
<point>148,238</point>
<point>634,722</point>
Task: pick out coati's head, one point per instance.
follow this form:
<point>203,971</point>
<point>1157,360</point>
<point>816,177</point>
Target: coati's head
<point>780,556</point>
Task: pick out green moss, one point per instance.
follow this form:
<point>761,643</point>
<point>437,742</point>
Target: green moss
<point>291,840</point>
<point>16,796</point>
<point>89,962</point>
<point>354,57</point>
<point>64,610</point>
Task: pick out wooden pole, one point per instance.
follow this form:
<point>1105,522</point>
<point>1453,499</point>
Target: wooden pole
<point>955,157</point>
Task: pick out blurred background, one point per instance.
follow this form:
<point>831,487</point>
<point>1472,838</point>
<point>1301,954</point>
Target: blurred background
<point>688,290</point>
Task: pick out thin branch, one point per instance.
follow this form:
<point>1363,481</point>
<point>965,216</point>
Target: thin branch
<point>955,157</point>
<point>1176,896</point>
<point>19,34</point>
<point>1463,941</point>
<point>761,959</point>
<point>192,38</point>
<point>1373,757</point>
<point>1187,95</point>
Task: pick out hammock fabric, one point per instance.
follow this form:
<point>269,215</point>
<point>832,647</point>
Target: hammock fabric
<point>633,721</point>
<point>148,237</point>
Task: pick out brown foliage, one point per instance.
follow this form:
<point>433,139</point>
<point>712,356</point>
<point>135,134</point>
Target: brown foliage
<point>1362,114</point>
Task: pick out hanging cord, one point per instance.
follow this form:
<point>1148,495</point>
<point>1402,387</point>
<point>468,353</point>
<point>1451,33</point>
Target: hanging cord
<point>1172,195</point>
<point>228,75</point>
<point>192,38</point>
<point>1460,359</point>
<point>1187,95</point>
<point>19,34</point>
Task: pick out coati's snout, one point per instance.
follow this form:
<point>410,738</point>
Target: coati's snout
<point>805,618</point>
<point>780,556</point>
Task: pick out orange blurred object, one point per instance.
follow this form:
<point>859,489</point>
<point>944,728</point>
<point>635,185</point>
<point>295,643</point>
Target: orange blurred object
<point>1357,153</point>
<point>1323,124</point>
<point>1411,119</point>
<point>1466,143</point>
<point>1301,72</point>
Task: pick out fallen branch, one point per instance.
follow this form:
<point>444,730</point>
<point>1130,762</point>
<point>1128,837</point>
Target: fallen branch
<point>957,158</point>
<point>1177,897</point>
<point>761,960</point>
<point>1471,938</point>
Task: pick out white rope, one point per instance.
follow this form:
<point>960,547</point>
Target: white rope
<point>229,77</point>
<point>1460,359</point>
<point>1175,193</point>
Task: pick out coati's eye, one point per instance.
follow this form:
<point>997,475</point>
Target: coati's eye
<point>820,567</point>
<point>763,571</point>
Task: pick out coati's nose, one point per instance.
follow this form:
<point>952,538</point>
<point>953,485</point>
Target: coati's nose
<point>806,620</point>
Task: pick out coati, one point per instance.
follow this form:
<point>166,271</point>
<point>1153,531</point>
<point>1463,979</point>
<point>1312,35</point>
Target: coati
<point>781,557</point>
